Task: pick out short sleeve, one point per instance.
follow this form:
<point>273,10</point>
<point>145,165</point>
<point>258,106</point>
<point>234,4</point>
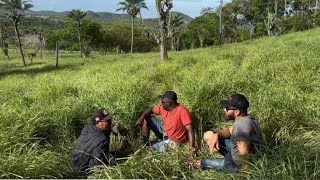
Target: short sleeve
<point>156,110</point>
<point>241,132</point>
<point>185,117</point>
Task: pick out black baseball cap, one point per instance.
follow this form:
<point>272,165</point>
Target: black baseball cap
<point>237,101</point>
<point>170,95</point>
<point>103,115</point>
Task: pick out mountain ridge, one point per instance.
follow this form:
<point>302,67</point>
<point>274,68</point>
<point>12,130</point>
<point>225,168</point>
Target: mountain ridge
<point>105,18</point>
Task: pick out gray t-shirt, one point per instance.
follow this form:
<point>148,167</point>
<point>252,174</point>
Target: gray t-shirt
<point>245,129</point>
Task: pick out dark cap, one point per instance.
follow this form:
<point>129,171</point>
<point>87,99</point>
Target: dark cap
<point>237,101</point>
<point>170,95</point>
<point>103,115</point>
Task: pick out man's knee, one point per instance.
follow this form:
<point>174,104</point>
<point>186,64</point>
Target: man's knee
<point>147,120</point>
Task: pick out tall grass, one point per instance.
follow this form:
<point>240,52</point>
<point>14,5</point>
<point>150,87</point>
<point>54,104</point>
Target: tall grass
<point>43,109</point>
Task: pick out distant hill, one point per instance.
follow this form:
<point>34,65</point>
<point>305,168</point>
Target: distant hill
<point>103,17</point>
<point>56,20</point>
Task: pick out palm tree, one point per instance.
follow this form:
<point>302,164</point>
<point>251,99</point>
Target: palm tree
<point>78,16</point>
<point>133,8</point>
<point>163,8</point>
<point>15,7</point>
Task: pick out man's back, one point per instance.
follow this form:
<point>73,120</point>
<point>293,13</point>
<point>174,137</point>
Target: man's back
<point>91,144</point>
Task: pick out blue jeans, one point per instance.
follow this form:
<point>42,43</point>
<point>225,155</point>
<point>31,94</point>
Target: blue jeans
<point>166,144</point>
<point>221,164</point>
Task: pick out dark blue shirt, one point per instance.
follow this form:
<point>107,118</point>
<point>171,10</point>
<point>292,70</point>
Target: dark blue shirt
<point>91,148</point>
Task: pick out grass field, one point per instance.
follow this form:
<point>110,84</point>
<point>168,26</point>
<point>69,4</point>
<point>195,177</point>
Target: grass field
<point>43,108</point>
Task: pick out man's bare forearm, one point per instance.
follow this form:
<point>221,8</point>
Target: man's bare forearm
<point>224,133</point>
<point>190,137</point>
<point>243,148</point>
<point>146,113</point>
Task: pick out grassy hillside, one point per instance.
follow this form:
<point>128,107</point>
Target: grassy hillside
<point>43,109</point>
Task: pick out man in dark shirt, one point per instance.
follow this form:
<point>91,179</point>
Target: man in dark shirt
<point>92,147</point>
<point>235,143</point>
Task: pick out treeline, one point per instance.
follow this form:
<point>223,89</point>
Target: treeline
<point>95,37</point>
<point>240,20</point>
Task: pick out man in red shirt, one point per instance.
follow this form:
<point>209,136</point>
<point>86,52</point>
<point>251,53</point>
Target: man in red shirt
<point>175,127</point>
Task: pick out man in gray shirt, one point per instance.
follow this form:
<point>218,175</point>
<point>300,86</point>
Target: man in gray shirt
<point>235,143</point>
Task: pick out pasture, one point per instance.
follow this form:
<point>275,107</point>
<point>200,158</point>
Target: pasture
<point>43,108</point>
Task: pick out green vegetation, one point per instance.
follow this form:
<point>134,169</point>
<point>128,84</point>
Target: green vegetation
<point>238,20</point>
<point>78,16</point>
<point>15,8</point>
<point>44,108</point>
<point>133,8</point>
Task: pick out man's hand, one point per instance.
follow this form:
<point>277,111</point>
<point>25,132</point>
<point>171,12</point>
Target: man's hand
<point>139,122</point>
<point>192,151</point>
<point>215,143</point>
<point>212,140</point>
<point>122,130</point>
<point>144,115</point>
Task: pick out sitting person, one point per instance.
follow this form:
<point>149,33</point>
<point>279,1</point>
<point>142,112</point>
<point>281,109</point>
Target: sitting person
<point>92,147</point>
<point>175,127</point>
<point>235,143</point>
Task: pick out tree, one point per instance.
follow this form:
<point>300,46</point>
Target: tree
<point>163,8</point>
<point>133,8</point>
<point>175,21</point>
<point>92,36</point>
<point>231,21</point>
<point>203,29</point>
<point>120,35</point>
<point>15,7</point>
<point>220,23</point>
<point>78,16</point>
<point>40,38</point>
<point>3,41</point>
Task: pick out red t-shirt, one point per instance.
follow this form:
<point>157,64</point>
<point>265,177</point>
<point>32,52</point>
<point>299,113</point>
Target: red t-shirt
<point>174,122</point>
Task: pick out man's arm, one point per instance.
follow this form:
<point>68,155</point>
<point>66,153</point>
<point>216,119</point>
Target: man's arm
<point>145,114</point>
<point>118,129</point>
<point>243,148</point>
<point>190,137</point>
<point>225,133</point>
<point>214,142</point>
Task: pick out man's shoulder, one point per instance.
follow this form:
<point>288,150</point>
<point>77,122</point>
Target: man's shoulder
<point>90,127</point>
<point>246,119</point>
<point>91,130</point>
<point>182,108</point>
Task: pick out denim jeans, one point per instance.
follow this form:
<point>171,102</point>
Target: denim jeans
<point>166,144</point>
<point>221,164</point>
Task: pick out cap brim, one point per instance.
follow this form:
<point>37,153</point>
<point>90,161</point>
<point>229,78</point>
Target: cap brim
<point>225,103</point>
<point>161,96</point>
<point>108,117</point>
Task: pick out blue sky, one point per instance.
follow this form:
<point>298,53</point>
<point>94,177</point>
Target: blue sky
<point>189,7</point>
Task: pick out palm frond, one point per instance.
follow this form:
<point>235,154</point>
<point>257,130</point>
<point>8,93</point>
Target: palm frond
<point>132,7</point>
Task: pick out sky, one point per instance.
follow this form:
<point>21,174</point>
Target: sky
<point>189,7</point>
